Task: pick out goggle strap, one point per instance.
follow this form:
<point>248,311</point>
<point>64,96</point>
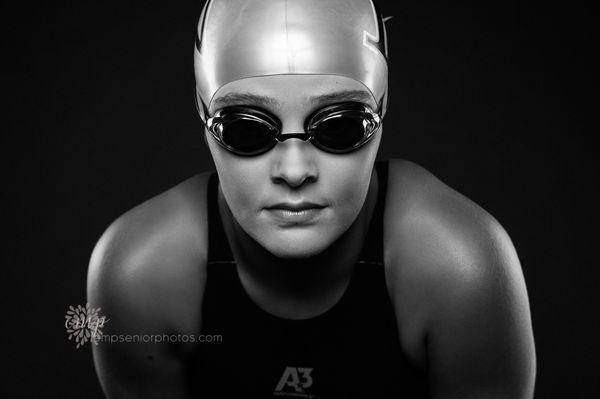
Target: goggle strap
<point>203,112</point>
<point>381,104</point>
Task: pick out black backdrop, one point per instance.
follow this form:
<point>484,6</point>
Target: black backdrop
<point>490,97</point>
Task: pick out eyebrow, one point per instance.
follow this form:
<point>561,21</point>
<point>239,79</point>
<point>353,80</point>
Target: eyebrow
<point>255,99</point>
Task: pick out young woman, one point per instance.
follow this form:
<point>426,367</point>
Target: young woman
<point>325,273</point>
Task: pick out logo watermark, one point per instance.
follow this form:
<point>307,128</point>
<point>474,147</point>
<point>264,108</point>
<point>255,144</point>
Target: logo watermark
<point>159,338</point>
<point>84,324</point>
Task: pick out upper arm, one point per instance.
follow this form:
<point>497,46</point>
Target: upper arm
<point>130,369</point>
<point>463,301</point>
<point>480,340</point>
<point>139,275</point>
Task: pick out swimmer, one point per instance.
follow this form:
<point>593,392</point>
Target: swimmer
<point>302,267</point>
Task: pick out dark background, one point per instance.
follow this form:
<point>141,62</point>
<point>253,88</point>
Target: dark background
<point>490,97</point>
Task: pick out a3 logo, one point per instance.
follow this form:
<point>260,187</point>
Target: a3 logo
<point>296,378</point>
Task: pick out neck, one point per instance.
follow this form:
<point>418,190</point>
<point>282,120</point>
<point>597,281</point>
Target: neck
<point>298,288</point>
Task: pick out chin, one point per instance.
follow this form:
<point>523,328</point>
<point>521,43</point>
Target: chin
<point>297,245</point>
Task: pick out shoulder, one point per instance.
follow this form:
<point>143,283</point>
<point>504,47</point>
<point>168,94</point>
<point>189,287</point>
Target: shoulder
<point>439,241</point>
<point>146,274</point>
<point>435,226</point>
<point>455,278</point>
<point>147,264</point>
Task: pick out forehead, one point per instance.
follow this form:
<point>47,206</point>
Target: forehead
<point>294,89</point>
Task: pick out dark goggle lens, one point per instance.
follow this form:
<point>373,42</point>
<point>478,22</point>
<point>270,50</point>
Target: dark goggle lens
<point>246,135</point>
<point>340,133</point>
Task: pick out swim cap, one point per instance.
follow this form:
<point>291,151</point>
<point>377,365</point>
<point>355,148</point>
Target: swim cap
<point>238,39</point>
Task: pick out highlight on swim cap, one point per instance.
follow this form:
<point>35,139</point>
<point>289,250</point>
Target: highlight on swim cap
<point>238,39</point>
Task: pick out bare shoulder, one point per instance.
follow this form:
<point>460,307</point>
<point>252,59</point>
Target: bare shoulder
<point>440,230</point>
<point>147,274</point>
<point>148,263</point>
<point>457,286</point>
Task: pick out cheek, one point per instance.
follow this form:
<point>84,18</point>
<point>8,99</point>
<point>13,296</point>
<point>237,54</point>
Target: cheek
<point>238,189</point>
<point>349,189</point>
<point>240,182</point>
<point>350,178</point>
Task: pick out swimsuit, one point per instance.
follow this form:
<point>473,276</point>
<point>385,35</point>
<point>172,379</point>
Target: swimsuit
<point>351,350</point>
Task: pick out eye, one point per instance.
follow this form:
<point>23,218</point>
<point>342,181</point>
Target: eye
<point>340,132</point>
<point>246,135</point>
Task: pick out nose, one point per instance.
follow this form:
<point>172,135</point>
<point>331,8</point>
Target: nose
<point>294,164</point>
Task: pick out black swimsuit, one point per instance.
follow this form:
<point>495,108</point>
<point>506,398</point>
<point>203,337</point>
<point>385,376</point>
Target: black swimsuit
<point>351,350</point>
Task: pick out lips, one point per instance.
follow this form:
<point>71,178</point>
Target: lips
<point>297,206</point>
<point>295,213</point>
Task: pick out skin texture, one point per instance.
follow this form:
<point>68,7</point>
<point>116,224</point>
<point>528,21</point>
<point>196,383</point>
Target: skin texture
<point>294,170</point>
<point>452,272</point>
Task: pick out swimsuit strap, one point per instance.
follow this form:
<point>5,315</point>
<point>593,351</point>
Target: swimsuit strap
<point>372,250</point>
<point>219,250</point>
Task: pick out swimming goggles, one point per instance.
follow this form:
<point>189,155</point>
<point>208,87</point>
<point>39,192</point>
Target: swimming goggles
<point>339,128</point>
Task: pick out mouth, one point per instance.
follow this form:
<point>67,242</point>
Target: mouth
<point>295,213</point>
<point>296,207</point>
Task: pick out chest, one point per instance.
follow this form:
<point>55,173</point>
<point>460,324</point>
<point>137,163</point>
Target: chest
<point>351,349</point>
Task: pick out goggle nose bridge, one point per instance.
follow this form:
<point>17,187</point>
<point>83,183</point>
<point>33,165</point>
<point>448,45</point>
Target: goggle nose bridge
<point>281,137</point>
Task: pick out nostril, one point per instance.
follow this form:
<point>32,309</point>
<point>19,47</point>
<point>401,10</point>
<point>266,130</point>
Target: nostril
<point>294,173</point>
<point>294,181</point>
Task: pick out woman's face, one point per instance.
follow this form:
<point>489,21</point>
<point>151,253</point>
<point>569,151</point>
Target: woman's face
<point>258,188</point>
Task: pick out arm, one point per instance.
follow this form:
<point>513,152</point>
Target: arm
<point>145,274</point>
<point>134,369</point>
<point>461,295</point>
<point>480,342</point>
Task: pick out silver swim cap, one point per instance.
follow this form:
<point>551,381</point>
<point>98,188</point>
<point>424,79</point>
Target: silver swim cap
<point>245,38</point>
